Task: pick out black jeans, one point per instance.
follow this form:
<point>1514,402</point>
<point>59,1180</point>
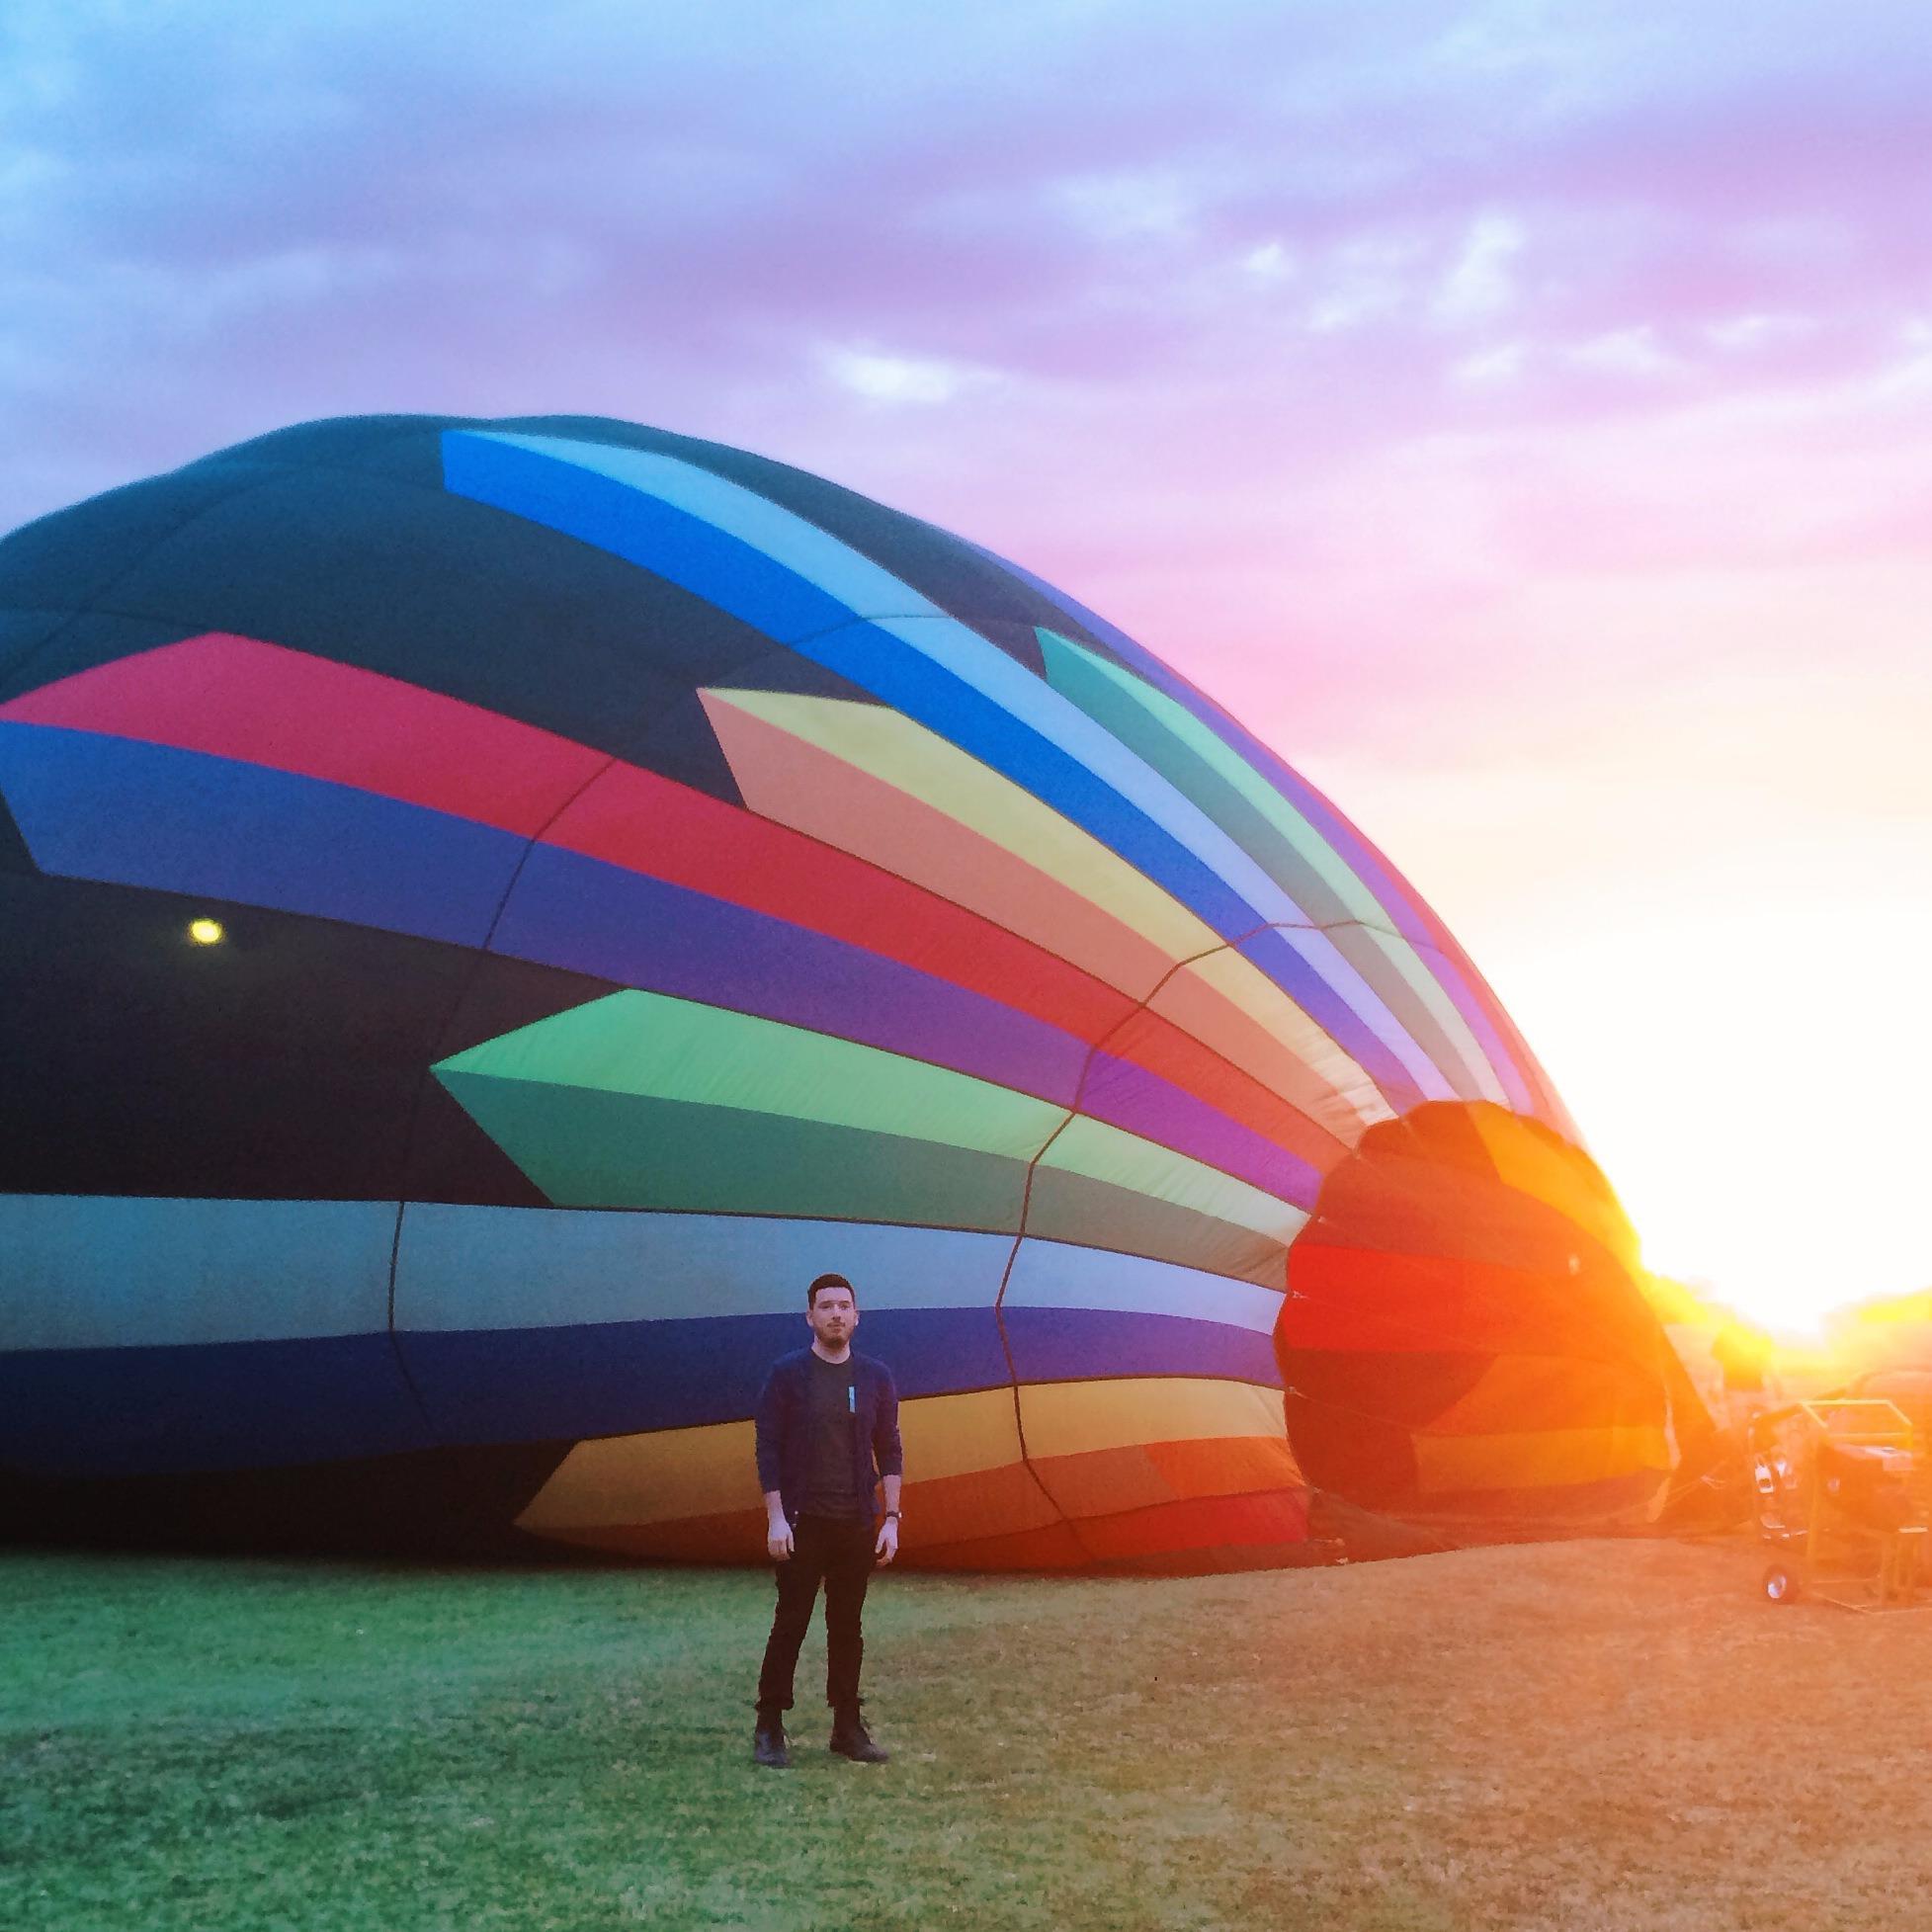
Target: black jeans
<point>838,1554</point>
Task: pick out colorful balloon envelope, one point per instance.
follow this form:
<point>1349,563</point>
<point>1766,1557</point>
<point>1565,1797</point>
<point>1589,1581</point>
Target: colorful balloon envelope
<point>492,909</point>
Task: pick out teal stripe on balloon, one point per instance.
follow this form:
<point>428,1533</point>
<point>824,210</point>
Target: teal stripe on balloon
<point>1205,769</point>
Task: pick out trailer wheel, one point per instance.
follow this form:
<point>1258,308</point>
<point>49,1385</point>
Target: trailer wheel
<point>1779,1584</point>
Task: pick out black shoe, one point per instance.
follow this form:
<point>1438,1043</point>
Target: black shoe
<point>850,1739</point>
<point>768,1747</point>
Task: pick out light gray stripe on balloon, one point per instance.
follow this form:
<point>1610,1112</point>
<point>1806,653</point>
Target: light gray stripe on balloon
<point>1056,1275</point>
<point>488,1268</point>
<point>113,1271</point>
<point>480,1268</point>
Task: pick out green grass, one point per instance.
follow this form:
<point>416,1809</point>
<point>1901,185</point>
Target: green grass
<point>1568,1736</point>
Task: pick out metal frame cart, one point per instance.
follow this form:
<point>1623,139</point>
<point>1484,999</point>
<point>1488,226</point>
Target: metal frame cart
<point>1841,1498</point>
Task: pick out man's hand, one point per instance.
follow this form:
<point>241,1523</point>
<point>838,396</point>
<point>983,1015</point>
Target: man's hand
<point>777,1539</point>
<point>887,1545</point>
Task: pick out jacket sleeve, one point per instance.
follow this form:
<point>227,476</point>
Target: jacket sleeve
<point>767,1426</point>
<point>886,1449</point>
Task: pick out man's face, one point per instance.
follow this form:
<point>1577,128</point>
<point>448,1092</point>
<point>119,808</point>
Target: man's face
<point>833,1316</point>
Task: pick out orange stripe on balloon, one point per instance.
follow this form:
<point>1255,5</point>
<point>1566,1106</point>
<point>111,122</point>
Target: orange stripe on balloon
<point>1525,1396</point>
<point>1103,1483</point>
<point>1534,1162</point>
<point>1217,1000</point>
<point>1554,1459</point>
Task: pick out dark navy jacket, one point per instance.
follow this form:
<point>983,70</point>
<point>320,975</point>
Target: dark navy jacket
<point>781,1426</point>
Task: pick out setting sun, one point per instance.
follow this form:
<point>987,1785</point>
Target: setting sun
<point>1719,975</point>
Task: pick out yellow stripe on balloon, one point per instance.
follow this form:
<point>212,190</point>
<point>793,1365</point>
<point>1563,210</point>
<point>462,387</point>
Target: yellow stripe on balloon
<point>1547,1459</point>
<point>922,765</point>
<point>670,1475</point>
<point>648,1478</point>
<point>872,783</point>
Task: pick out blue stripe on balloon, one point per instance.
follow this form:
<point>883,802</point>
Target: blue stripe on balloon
<point>232,1405</point>
<point>614,1378</point>
<point>131,814</point>
<point>1069,1344</point>
<point>865,589</point>
<point>737,577</point>
<point>642,530</point>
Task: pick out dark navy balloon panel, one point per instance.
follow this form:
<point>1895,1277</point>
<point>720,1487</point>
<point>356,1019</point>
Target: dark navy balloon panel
<point>491,909</point>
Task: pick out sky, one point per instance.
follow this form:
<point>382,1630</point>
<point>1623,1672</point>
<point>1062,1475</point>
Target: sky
<point>1519,415</point>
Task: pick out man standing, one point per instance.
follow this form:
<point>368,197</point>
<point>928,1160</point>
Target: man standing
<point>828,1430</point>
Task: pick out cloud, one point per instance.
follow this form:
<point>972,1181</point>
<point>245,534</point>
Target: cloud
<point>1481,283</point>
<point>889,378</point>
<point>1128,204</point>
<point>1909,373</point>
<point>1365,280</point>
<point>1486,366</point>
<point>1623,352</point>
<point>1734,333</point>
<point>1268,262</point>
<point>745,221</point>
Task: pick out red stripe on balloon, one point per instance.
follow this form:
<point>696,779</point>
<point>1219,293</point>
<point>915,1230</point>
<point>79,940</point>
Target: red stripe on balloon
<point>265,704</point>
<point>1351,1299</point>
<point>1161,1536</point>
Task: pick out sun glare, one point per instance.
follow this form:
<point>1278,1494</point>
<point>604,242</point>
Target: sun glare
<point>1774,1164</point>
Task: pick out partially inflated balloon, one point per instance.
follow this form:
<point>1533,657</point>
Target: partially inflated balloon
<point>491,910</point>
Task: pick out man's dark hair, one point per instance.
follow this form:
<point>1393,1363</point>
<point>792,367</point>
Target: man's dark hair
<point>830,1281</point>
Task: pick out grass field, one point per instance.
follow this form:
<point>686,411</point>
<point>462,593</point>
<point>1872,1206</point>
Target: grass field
<point>1568,1736</point>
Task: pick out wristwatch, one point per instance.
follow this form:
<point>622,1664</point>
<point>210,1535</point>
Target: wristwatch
<point>891,1515</point>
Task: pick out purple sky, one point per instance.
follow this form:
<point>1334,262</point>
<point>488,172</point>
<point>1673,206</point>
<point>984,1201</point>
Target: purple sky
<point>1521,415</point>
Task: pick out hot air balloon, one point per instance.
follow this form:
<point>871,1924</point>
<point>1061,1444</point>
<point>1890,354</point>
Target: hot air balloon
<point>491,909</point>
